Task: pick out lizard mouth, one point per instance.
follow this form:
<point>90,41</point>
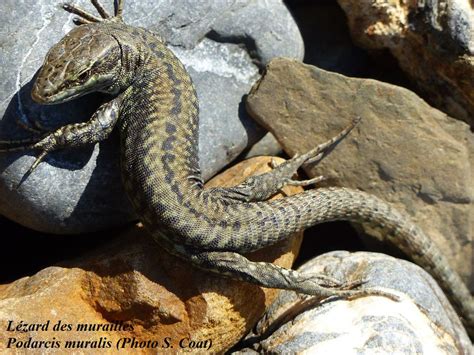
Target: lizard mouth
<point>56,98</point>
<point>37,97</point>
<point>50,97</point>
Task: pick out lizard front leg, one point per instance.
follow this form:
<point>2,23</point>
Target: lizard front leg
<point>261,187</point>
<point>95,130</point>
<point>86,17</point>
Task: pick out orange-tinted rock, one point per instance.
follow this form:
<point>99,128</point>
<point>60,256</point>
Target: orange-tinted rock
<point>433,42</point>
<point>133,280</point>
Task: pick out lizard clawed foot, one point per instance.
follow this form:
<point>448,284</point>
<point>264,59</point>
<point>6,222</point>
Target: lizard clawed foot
<point>18,145</point>
<point>315,155</point>
<point>354,294</point>
<point>331,282</point>
<point>318,153</point>
<point>31,125</point>
<point>72,135</point>
<point>38,160</point>
<point>350,290</point>
<point>45,144</point>
<point>330,289</point>
<point>86,17</point>
<point>307,182</point>
<point>261,187</point>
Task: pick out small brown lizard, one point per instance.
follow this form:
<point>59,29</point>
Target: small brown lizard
<point>155,108</point>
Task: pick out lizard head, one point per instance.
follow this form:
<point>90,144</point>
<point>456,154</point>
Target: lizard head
<point>87,59</point>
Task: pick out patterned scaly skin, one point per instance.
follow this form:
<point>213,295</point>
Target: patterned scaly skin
<point>156,110</point>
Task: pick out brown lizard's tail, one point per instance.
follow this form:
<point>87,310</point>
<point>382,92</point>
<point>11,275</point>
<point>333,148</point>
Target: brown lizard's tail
<point>329,204</point>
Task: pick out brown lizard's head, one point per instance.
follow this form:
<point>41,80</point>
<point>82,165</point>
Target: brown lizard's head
<point>87,59</point>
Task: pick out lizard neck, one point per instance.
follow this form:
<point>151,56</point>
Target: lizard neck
<point>159,140</point>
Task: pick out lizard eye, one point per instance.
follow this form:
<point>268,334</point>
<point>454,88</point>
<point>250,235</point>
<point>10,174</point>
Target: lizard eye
<point>83,76</point>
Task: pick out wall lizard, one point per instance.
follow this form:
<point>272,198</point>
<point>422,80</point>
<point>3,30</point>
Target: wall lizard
<point>155,108</point>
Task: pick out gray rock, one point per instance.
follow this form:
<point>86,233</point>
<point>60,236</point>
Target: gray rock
<point>421,321</point>
<point>222,75</point>
<point>80,191</point>
<point>268,146</point>
<point>404,151</point>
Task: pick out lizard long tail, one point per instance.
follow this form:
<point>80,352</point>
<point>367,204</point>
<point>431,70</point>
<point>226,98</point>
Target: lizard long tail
<point>329,204</point>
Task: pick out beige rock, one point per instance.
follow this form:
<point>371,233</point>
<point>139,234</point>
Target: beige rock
<point>403,151</point>
<point>136,282</point>
<point>420,321</point>
<point>433,42</point>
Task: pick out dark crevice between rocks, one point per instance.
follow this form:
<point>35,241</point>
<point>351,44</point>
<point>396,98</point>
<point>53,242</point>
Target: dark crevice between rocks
<point>328,44</point>
<point>25,252</point>
<point>327,237</point>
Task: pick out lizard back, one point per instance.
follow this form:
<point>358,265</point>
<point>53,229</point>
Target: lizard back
<point>156,109</point>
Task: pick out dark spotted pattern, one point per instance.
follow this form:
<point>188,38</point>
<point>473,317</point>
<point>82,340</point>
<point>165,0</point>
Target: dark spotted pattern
<point>158,120</point>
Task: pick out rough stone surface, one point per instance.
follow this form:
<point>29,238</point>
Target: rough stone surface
<point>421,321</point>
<point>134,281</point>
<point>220,42</point>
<point>268,145</point>
<point>433,42</point>
<point>404,151</point>
<point>329,46</point>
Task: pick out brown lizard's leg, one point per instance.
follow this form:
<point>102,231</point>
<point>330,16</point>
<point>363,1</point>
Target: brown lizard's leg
<point>33,126</point>
<point>238,267</point>
<point>118,7</point>
<point>96,129</point>
<point>100,9</point>
<point>261,187</point>
<point>11,143</point>
<point>86,17</point>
